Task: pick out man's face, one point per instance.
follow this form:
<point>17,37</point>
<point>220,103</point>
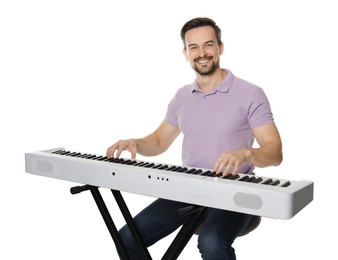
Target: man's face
<point>202,50</point>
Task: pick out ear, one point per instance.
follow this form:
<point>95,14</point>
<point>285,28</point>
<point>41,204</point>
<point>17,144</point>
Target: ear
<point>185,54</point>
<point>221,48</point>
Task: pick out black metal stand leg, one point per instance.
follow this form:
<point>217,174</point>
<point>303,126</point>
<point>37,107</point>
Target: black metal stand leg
<point>176,247</point>
<point>122,251</point>
<point>110,223</point>
<point>131,223</point>
<point>184,235</point>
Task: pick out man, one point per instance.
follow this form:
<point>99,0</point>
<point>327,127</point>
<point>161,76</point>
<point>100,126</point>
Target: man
<point>219,115</point>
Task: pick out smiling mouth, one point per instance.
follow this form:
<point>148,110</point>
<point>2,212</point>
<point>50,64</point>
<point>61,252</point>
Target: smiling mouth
<point>203,60</point>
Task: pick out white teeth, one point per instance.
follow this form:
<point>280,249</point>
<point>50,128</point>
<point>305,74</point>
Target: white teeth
<point>203,61</point>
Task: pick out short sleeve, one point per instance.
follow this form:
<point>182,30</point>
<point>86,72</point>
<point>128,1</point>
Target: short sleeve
<point>259,110</point>
<point>172,112</point>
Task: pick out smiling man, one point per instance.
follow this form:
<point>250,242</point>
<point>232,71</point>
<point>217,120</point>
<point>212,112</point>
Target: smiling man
<point>205,55</point>
<point>220,116</point>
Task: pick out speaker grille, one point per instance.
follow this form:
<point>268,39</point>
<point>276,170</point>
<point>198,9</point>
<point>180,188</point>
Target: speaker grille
<point>247,200</point>
<point>44,166</point>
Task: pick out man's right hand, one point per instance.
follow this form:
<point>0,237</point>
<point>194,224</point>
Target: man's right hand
<point>116,149</point>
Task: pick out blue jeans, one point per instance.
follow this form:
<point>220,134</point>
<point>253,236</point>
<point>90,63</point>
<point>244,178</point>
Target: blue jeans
<point>219,230</point>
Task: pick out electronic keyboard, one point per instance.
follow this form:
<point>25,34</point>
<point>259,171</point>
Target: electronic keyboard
<point>246,193</point>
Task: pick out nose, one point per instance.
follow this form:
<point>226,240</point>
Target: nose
<point>202,52</point>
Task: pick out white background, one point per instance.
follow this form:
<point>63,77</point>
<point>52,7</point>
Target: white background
<point>83,74</point>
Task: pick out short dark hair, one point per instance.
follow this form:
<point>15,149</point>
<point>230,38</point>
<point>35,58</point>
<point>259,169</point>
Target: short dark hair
<point>199,22</point>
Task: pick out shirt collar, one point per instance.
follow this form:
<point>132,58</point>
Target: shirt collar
<point>224,86</point>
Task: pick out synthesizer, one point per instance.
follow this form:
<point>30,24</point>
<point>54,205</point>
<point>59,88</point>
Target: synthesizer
<point>246,193</point>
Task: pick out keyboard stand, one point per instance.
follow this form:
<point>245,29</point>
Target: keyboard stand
<point>176,247</point>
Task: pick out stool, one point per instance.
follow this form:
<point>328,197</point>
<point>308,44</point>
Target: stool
<point>254,223</point>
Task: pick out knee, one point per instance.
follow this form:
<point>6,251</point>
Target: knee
<point>129,243</point>
<point>213,247</point>
<point>126,236</point>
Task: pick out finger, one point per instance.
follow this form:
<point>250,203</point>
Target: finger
<point>235,169</point>
<point>120,149</point>
<point>133,155</point>
<point>132,151</point>
<point>219,165</point>
<point>227,170</point>
<point>229,167</point>
<point>110,151</point>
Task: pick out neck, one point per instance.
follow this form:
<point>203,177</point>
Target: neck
<point>208,82</point>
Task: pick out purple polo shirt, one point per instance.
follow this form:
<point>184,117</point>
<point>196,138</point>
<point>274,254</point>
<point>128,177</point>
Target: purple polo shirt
<point>219,121</point>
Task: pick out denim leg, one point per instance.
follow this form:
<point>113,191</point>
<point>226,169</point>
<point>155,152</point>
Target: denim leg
<point>219,230</point>
<point>154,222</point>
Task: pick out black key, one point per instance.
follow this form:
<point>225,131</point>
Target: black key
<point>184,169</point>
<point>57,152</point>
<point>64,153</point>
<point>286,184</point>
<point>258,180</point>
<point>88,156</point>
<point>103,158</point>
<point>229,176</point>
<point>206,173</point>
<point>267,182</point>
<point>163,167</point>
<point>76,154</point>
<point>114,160</point>
<point>176,168</point>
<point>97,158</point>
<point>125,161</point>
<point>131,162</point>
<point>198,171</point>
<point>156,166</point>
<point>138,164</point>
<point>191,171</point>
<point>244,178</point>
<point>144,164</point>
<point>171,168</point>
<point>60,152</point>
<point>211,174</point>
<point>251,179</point>
<point>122,161</point>
<point>235,177</point>
<point>275,183</point>
<point>83,155</point>
<point>149,165</point>
<point>71,154</point>
<point>180,169</point>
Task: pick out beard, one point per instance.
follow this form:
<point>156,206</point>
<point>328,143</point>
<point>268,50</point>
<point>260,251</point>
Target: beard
<point>205,69</point>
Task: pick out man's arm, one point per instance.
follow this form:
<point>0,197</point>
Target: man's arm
<point>268,154</point>
<point>270,151</point>
<point>150,145</point>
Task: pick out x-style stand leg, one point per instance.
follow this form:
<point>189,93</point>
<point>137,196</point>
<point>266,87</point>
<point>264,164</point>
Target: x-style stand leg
<point>182,238</point>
